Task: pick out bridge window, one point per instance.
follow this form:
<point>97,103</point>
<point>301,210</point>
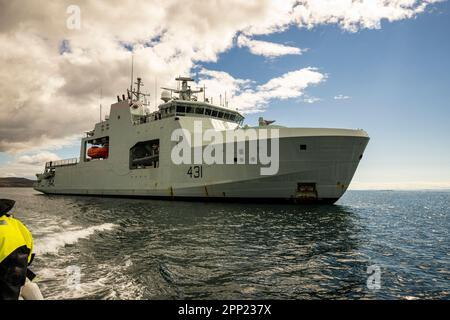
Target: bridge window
<point>182,110</point>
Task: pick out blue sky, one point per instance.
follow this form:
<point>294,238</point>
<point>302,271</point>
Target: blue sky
<point>396,78</point>
<point>398,81</point>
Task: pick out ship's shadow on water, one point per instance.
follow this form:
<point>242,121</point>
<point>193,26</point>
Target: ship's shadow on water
<point>164,249</point>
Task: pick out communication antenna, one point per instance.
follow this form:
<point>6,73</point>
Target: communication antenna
<point>156,91</point>
<point>101,96</point>
<point>132,67</point>
<point>204,93</point>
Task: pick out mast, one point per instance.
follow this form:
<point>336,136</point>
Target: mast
<point>131,83</point>
<point>101,96</point>
<point>139,83</point>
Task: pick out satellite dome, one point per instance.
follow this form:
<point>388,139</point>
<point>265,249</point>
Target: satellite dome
<point>165,96</point>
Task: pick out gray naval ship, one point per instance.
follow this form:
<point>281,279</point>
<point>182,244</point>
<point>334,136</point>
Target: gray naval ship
<point>130,153</point>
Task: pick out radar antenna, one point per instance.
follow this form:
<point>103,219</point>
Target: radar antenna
<point>185,93</point>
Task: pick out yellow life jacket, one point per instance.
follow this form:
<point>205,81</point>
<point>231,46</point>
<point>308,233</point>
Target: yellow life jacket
<point>13,235</point>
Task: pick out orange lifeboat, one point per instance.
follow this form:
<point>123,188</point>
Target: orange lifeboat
<point>98,152</point>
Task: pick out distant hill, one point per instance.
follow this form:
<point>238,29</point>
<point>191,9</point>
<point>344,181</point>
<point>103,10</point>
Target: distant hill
<point>16,183</point>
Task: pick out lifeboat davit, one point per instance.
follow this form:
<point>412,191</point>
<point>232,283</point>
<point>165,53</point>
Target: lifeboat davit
<point>98,152</point>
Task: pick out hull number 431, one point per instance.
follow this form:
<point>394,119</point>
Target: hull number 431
<point>195,172</point>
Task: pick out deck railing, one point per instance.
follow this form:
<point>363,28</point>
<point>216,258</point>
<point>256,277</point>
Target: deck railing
<point>61,163</point>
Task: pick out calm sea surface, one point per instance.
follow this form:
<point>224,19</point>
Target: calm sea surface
<point>145,249</point>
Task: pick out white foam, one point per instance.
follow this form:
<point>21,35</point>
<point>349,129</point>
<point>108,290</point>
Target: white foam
<point>103,280</point>
<point>52,243</point>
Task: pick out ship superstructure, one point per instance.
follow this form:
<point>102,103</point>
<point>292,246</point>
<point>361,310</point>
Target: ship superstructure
<point>131,153</point>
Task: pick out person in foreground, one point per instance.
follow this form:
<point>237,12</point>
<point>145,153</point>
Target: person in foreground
<point>16,254</point>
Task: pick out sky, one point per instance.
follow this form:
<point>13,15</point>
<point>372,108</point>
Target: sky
<point>382,66</point>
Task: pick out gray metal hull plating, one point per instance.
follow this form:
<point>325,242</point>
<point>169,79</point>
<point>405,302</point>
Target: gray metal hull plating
<point>329,163</point>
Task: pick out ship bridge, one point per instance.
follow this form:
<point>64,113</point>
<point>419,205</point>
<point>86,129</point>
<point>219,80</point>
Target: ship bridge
<point>199,109</point>
<point>186,104</point>
<point>180,102</point>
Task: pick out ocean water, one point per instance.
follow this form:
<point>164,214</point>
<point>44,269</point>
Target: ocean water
<point>110,248</point>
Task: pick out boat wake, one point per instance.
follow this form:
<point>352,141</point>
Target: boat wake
<point>51,244</point>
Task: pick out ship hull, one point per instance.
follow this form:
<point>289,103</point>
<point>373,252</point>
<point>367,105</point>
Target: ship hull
<point>293,201</point>
<point>319,174</point>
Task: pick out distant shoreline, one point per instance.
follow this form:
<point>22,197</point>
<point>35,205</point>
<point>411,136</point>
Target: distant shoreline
<point>13,182</point>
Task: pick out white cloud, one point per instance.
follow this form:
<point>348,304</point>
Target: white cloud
<point>8,174</point>
<point>11,169</point>
<point>27,165</point>
<point>353,15</point>
<point>40,143</point>
<point>38,159</point>
<point>248,97</point>
<point>311,100</point>
<point>341,97</point>
<point>219,82</point>
<point>47,96</point>
<point>57,96</point>
<point>291,84</point>
<point>267,49</point>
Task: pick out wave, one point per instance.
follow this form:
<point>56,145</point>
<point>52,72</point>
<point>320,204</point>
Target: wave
<point>103,281</point>
<point>51,244</point>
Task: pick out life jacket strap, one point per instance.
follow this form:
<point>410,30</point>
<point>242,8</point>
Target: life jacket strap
<point>30,275</point>
<point>31,259</point>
